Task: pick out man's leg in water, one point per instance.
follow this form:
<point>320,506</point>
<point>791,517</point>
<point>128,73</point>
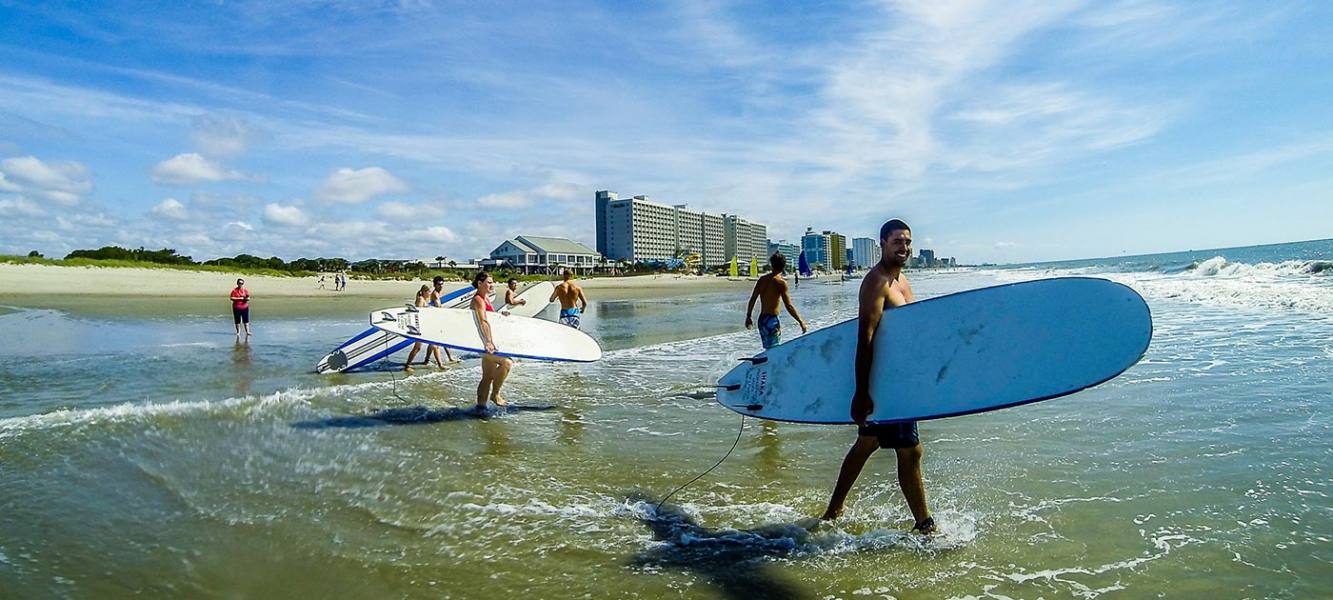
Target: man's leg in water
<point>914,489</point>
<point>861,450</point>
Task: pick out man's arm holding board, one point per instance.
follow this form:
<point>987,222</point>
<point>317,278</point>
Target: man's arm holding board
<point>871,301</point>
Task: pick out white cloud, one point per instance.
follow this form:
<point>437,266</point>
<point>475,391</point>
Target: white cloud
<point>515,199</point>
<point>278,214</point>
<point>394,210</point>
<point>438,233</point>
<point>21,207</point>
<point>64,183</point>
<point>171,208</point>
<point>561,191</point>
<point>222,136</point>
<point>525,198</point>
<point>190,168</point>
<point>354,186</point>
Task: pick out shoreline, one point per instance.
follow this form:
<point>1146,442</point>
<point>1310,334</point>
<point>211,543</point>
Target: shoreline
<point>29,280</point>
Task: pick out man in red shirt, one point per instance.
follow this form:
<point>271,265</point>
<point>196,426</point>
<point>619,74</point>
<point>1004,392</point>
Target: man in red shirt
<point>240,307</point>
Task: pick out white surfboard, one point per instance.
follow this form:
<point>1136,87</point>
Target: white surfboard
<point>959,354</point>
<point>514,336</point>
<point>537,295</point>
<point>373,344</point>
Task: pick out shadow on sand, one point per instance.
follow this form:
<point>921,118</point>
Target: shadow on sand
<point>414,415</point>
<point>735,562</point>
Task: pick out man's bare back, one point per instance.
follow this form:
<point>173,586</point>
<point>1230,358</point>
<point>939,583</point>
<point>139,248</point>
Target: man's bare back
<point>771,290</point>
<point>569,294</point>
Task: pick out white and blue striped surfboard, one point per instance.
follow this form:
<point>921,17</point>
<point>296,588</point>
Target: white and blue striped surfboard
<point>373,344</point>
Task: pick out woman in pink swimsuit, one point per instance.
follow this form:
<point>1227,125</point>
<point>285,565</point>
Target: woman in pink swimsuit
<point>494,368</point>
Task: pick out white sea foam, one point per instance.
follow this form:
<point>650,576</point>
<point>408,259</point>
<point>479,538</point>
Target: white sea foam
<point>1301,285</point>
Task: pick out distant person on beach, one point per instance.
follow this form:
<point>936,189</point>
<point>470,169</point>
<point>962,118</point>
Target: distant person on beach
<point>494,368</point>
<point>321,281</point>
<point>569,293</point>
<point>772,289</point>
<point>511,294</point>
<point>240,307</point>
<point>436,299</point>
<point>884,288</point>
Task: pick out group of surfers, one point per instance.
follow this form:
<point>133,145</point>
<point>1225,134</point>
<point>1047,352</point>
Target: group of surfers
<point>494,367</point>
<point>884,287</point>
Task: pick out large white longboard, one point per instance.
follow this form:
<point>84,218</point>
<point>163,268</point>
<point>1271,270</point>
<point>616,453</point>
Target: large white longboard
<point>373,344</point>
<point>959,354</point>
<point>514,336</point>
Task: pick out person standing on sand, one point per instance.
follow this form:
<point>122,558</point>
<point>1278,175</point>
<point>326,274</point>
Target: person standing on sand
<point>569,293</point>
<point>240,307</point>
<point>884,288</point>
<point>772,288</point>
<point>494,368</point>
<point>437,300</point>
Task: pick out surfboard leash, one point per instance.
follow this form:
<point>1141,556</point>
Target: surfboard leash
<point>710,469</point>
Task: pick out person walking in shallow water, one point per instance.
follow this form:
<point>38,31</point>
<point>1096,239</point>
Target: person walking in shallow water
<point>422,301</point>
<point>569,294</point>
<point>436,299</point>
<point>884,288</point>
<point>772,289</point>
<point>240,307</point>
<point>494,368</point>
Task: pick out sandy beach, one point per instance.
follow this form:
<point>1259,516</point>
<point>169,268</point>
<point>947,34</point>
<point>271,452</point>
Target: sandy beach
<point>48,280</point>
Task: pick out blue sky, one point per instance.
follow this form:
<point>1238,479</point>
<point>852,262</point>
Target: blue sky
<point>1002,131</point>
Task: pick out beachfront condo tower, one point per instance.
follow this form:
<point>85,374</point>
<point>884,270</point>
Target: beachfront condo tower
<point>639,230</point>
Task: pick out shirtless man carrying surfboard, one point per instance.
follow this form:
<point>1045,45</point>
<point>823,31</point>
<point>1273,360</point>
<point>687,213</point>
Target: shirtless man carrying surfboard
<point>884,288</point>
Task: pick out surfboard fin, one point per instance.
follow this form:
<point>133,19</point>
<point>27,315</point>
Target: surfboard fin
<point>386,317</point>
<point>755,360</point>
<point>411,308</point>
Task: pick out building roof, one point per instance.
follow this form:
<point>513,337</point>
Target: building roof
<point>552,245</point>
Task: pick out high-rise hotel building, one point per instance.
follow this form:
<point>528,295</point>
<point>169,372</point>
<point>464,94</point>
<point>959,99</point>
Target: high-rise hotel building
<point>638,229</point>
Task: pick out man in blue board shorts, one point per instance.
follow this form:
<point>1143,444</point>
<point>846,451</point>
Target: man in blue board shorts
<point>569,294</point>
<point>772,289</point>
<point>884,288</point>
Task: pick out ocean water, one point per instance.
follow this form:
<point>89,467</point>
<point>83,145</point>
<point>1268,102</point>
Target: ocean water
<point>143,452</point>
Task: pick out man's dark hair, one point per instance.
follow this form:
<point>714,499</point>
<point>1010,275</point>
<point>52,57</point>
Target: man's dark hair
<point>891,226</point>
<point>438,279</point>
<point>512,280</point>
<point>777,262</point>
